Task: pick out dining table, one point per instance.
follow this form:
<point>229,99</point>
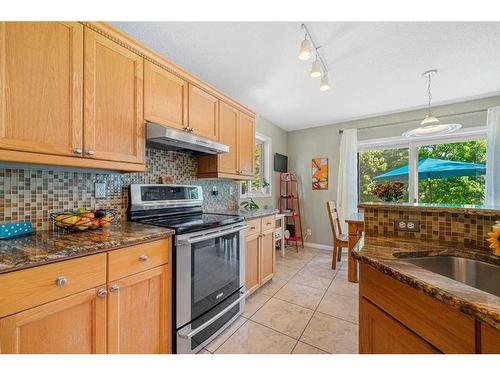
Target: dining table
<point>355,228</point>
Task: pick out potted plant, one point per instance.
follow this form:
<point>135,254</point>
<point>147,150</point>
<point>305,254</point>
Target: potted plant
<point>389,191</point>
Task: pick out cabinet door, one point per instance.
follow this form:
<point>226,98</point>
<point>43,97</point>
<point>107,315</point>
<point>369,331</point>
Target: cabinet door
<point>228,131</point>
<point>490,339</point>
<point>382,334</point>
<point>267,256</point>
<point>246,144</point>
<point>252,254</point>
<point>139,313</point>
<point>165,97</point>
<point>203,113</point>
<point>113,118</point>
<point>71,325</point>
<point>41,75</point>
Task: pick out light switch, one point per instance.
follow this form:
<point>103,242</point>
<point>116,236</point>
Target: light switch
<point>100,189</point>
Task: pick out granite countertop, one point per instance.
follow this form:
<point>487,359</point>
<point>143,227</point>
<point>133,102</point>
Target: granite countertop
<point>248,215</point>
<point>469,209</point>
<point>52,246</point>
<point>387,255</point>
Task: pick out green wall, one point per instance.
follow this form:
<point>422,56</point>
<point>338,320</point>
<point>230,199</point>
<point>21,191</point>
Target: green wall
<point>279,145</point>
<point>304,145</point>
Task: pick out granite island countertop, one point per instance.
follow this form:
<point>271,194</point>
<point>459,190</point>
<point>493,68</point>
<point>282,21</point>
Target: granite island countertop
<point>248,215</point>
<point>387,255</point>
<point>52,246</point>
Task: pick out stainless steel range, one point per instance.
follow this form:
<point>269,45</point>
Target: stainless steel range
<point>208,260</point>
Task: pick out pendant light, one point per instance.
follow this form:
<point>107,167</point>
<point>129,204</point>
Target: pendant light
<point>430,124</point>
<point>316,68</point>
<point>306,49</point>
<point>324,85</point>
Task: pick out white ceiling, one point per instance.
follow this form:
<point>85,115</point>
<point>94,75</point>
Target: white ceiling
<point>375,67</point>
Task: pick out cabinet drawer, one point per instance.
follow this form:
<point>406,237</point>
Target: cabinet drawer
<point>253,227</point>
<point>24,289</point>
<point>268,222</point>
<point>133,259</point>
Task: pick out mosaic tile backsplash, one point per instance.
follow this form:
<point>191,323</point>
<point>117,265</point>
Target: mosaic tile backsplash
<point>468,229</point>
<point>32,194</point>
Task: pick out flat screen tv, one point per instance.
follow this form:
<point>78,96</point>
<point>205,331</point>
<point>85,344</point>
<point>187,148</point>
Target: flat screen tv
<point>280,163</point>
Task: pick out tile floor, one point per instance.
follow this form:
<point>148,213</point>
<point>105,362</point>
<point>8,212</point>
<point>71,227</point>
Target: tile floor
<point>307,308</point>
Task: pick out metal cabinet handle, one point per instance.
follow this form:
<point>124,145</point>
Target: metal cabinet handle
<point>90,152</point>
<point>252,228</point>
<point>102,293</point>
<point>143,258</point>
<point>78,151</point>
<point>61,281</point>
<point>114,288</point>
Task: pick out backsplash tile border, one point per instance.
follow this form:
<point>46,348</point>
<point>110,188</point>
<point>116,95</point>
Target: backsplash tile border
<point>31,194</point>
<point>467,229</point>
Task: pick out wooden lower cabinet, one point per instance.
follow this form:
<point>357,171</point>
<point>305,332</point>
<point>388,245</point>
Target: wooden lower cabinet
<point>139,313</point>
<point>490,339</point>
<point>267,255</point>
<point>71,325</point>
<point>395,318</point>
<point>87,314</point>
<point>259,254</point>
<point>252,272</point>
<point>382,334</point>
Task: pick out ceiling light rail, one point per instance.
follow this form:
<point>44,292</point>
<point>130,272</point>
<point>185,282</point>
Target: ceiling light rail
<point>307,48</point>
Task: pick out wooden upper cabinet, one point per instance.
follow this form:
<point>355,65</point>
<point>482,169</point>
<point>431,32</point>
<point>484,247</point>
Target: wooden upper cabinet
<point>41,76</point>
<point>228,131</point>
<point>113,116</point>
<point>246,144</point>
<point>203,113</point>
<point>71,325</point>
<point>165,97</point>
<point>139,313</point>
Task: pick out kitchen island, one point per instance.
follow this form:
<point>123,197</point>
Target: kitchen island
<point>405,308</point>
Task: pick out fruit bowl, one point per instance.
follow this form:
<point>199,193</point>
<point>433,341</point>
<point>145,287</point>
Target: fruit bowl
<point>81,219</point>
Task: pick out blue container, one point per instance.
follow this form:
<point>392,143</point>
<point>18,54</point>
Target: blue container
<point>15,229</point>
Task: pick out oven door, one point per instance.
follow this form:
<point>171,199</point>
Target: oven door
<point>210,267</point>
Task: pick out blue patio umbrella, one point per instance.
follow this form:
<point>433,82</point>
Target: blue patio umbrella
<point>432,169</point>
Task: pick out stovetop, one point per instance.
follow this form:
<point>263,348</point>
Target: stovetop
<point>192,222</point>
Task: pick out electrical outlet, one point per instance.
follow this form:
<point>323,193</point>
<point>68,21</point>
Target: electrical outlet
<point>100,189</point>
<point>214,190</point>
<point>308,232</point>
<point>407,225</point>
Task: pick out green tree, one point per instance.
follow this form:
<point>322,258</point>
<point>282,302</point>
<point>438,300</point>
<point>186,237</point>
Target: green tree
<point>458,190</point>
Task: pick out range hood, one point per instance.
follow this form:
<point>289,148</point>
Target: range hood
<point>159,136</point>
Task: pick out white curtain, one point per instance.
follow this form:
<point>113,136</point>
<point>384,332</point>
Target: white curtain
<point>493,157</point>
<point>347,189</point>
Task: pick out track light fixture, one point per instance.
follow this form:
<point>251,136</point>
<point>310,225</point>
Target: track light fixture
<point>318,68</point>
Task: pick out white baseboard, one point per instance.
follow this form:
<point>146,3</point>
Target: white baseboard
<point>320,246</point>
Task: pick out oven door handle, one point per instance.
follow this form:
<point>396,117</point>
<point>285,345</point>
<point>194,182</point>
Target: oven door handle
<point>209,236</point>
<point>190,334</point>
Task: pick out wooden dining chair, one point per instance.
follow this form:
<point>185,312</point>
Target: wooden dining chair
<point>340,240</point>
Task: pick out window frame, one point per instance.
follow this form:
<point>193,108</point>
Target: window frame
<point>413,144</point>
<point>267,143</point>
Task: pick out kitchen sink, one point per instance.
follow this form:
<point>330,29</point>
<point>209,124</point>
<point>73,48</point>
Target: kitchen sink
<point>477,274</point>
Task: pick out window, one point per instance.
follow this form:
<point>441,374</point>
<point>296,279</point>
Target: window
<point>260,185</point>
<point>445,169</point>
